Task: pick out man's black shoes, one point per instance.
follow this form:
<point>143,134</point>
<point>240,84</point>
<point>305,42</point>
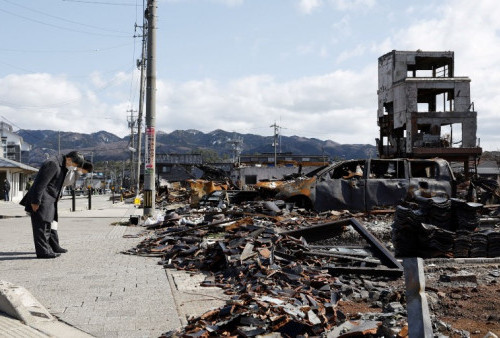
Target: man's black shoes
<point>60,250</point>
<point>49,255</point>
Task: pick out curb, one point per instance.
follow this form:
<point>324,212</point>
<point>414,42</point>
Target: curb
<point>19,303</point>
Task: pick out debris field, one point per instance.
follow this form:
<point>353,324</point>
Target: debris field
<point>291,272</point>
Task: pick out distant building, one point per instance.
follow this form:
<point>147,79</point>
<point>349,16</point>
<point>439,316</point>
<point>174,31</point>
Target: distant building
<point>178,167</point>
<point>13,146</point>
<point>250,170</point>
<point>18,175</point>
<point>261,167</point>
<point>489,169</point>
<point>284,159</point>
<point>14,152</point>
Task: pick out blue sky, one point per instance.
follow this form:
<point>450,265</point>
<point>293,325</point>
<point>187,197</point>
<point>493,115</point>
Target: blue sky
<point>237,65</point>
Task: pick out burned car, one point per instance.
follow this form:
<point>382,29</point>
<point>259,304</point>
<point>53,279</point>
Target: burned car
<point>369,183</point>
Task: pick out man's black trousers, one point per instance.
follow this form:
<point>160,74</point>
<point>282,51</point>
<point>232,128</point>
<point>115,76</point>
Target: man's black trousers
<point>41,235</point>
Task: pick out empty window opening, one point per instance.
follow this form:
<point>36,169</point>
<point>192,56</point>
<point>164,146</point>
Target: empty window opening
<point>348,170</point>
<point>388,108</point>
<point>422,107</point>
<point>250,179</point>
<point>443,103</point>
<point>451,135</point>
<point>387,169</point>
<point>423,169</point>
<point>423,73</point>
<point>442,71</point>
<point>434,100</point>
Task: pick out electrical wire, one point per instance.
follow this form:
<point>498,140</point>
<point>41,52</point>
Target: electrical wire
<point>63,28</point>
<point>102,3</point>
<point>93,50</point>
<point>134,85</point>
<point>63,19</point>
<point>15,125</point>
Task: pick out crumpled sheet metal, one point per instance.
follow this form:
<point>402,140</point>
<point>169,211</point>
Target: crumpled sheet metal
<point>200,188</point>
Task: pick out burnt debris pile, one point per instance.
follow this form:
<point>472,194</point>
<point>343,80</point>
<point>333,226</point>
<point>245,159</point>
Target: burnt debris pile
<point>441,227</point>
<point>279,275</point>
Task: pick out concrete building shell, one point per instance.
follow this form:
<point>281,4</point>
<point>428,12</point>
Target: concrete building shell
<point>423,109</point>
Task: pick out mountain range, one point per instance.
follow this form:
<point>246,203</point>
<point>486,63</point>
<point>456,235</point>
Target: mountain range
<point>105,146</point>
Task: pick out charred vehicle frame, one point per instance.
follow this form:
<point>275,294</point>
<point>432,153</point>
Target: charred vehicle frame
<point>369,183</point>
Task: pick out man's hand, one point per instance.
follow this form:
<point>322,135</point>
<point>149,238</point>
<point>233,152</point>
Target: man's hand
<point>35,207</point>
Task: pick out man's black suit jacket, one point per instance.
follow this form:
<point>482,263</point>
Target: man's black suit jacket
<point>46,189</point>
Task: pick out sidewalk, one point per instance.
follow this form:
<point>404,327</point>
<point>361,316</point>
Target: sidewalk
<point>94,287</point>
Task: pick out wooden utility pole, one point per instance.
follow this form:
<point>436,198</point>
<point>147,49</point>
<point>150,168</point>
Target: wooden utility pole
<point>275,143</point>
<point>149,160</point>
<point>131,124</point>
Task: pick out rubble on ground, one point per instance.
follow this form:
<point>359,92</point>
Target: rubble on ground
<point>285,279</point>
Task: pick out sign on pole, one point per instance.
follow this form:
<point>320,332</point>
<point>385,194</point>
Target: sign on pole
<point>150,147</point>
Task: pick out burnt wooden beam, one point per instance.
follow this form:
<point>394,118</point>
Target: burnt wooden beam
<point>319,232</point>
<point>382,253</point>
<point>332,229</point>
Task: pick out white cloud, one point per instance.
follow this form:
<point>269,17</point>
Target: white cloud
<point>308,6</point>
<point>337,106</point>
<point>44,101</point>
<point>39,91</point>
<point>311,106</point>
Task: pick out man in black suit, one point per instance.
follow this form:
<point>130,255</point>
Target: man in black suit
<point>41,200</point>
<point>69,180</point>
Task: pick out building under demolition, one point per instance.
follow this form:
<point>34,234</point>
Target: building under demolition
<point>424,110</point>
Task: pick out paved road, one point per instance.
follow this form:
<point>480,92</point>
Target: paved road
<point>93,287</point>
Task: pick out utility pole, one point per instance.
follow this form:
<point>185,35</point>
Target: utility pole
<point>275,142</point>
<point>236,144</point>
<point>142,65</point>
<point>150,161</point>
<point>131,125</point>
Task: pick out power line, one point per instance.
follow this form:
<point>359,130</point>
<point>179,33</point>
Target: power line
<point>15,125</point>
<point>73,76</point>
<point>103,3</point>
<point>92,50</point>
<point>64,19</point>
<point>60,27</point>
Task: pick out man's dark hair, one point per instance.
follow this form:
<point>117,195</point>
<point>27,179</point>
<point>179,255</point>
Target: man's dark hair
<point>76,157</point>
<point>88,166</point>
